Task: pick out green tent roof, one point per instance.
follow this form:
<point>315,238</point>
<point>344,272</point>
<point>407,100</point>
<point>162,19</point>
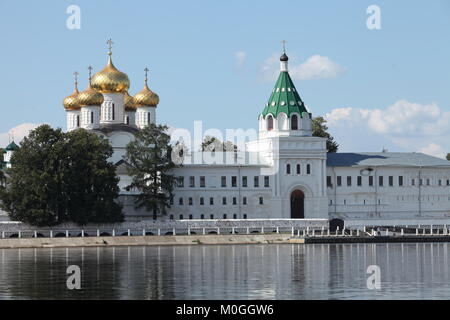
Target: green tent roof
<point>12,147</point>
<point>284,98</point>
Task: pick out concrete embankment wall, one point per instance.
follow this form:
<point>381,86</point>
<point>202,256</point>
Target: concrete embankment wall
<point>146,241</point>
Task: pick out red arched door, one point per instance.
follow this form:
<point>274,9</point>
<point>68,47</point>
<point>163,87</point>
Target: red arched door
<point>297,205</point>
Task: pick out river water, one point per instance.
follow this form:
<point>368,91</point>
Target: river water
<point>322,271</point>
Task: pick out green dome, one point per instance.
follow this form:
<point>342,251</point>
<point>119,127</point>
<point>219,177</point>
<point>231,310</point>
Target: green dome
<point>12,147</point>
<point>284,98</point>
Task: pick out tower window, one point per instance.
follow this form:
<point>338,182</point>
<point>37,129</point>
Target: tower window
<point>113,112</point>
<point>78,121</point>
<point>308,169</point>
<point>298,169</point>
<point>294,122</point>
<point>270,123</point>
<point>148,118</point>
<point>128,120</point>
<point>288,169</point>
<point>92,117</point>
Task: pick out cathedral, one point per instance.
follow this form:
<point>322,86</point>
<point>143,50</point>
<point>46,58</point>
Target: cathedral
<point>293,176</point>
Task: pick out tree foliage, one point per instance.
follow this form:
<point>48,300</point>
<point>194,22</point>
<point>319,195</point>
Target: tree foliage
<point>59,177</point>
<point>150,160</point>
<point>319,128</point>
<point>213,144</point>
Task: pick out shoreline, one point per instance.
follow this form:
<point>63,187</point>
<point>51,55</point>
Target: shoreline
<point>15,243</point>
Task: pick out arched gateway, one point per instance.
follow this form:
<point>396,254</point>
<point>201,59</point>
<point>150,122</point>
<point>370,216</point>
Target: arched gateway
<point>297,204</point>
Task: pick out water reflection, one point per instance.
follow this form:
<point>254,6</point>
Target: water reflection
<point>229,272</point>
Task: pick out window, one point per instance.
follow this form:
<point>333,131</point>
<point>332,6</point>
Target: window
<point>413,182</point>
<point>190,217</point>
<point>380,181</point>
<point>294,122</point>
<point>171,201</point>
<point>191,201</point>
<point>92,117</point>
<point>180,201</point>
<point>181,182</point>
<point>235,216</point>
<point>244,216</point>
<point>266,181</point>
<point>234,201</point>
<point>329,183</point>
<point>448,182</point>
<point>339,181</point>
<point>349,181</point>
<point>391,181</point>
<point>225,216</point>
<point>308,169</point>
<point>211,201</point>
<point>261,200</point>
<point>202,181</point>
<point>288,169</point>
<point>78,121</point>
<point>298,169</point>
<point>244,181</point>
<point>127,120</point>
<point>420,182</point>
<point>370,181</point>
<point>428,182</point>
<point>400,181</point>
<point>440,182</point>
<point>202,201</point>
<point>202,216</point>
<point>234,181</point>
<point>113,112</point>
<point>270,123</point>
<point>211,216</point>
<point>171,217</point>
<point>224,200</point>
<point>359,181</point>
<point>181,217</point>
<point>224,181</point>
<point>192,181</point>
<point>256,182</point>
<point>148,118</point>
<point>244,201</point>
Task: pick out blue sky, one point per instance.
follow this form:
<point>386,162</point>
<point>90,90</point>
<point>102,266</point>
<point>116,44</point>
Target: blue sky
<point>192,50</point>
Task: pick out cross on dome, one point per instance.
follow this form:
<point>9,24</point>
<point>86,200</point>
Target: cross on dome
<point>146,70</point>
<point>110,43</point>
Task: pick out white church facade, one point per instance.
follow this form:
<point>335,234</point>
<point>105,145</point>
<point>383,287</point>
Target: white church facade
<point>294,176</point>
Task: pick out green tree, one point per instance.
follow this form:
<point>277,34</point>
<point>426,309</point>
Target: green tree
<point>319,129</point>
<point>58,177</point>
<point>150,160</point>
<point>213,144</point>
<point>448,156</point>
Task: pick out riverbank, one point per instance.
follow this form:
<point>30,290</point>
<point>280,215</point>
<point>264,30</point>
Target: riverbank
<point>147,241</point>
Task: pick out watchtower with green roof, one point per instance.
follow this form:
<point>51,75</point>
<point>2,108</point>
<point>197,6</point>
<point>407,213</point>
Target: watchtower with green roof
<point>285,113</point>
<point>10,149</point>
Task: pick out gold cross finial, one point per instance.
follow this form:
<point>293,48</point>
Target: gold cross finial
<point>283,42</point>
<point>110,43</point>
<point>146,71</point>
<point>90,74</point>
<point>75,75</point>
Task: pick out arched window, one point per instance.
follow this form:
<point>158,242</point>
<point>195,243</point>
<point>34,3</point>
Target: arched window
<point>148,118</point>
<point>92,117</point>
<point>128,120</point>
<point>288,169</point>
<point>294,122</point>
<point>78,121</point>
<point>270,123</point>
<point>113,112</point>
<point>298,169</point>
<point>308,169</point>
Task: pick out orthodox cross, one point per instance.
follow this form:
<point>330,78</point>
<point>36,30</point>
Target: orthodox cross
<point>75,74</point>
<point>90,74</point>
<point>110,43</point>
<point>146,71</point>
<point>283,42</point>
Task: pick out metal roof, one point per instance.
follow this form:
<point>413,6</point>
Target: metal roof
<point>385,159</point>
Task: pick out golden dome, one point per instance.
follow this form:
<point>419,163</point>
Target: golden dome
<point>110,80</point>
<point>71,102</point>
<point>90,97</point>
<point>128,102</point>
<point>146,98</point>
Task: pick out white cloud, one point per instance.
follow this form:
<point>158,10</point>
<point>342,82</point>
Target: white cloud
<point>315,67</point>
<point>240,57</point>
<point>19,133</point>
<point>404,125</point>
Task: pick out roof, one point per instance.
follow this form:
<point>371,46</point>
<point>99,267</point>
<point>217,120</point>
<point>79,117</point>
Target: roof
<point>284,98</point>
<point>386,159</point>
<point>12,147</point>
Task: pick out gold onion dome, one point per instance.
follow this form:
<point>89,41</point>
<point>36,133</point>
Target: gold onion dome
<point>129,102</point>
<point>72,102</point>
<point>146,97</point>
<point>110,80</point>
<point>90,97</point>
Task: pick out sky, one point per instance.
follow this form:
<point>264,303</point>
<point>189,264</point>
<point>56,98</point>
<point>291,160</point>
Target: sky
<point>217,61</point>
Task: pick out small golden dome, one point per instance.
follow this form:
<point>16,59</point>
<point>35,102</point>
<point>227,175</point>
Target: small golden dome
<point>71,102</point>
<point>110,80</point>
<point>90,97</point>
<point>128,102</point>
<point>146,98</point>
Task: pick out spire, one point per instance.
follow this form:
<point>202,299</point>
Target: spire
<point>284,58</point>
